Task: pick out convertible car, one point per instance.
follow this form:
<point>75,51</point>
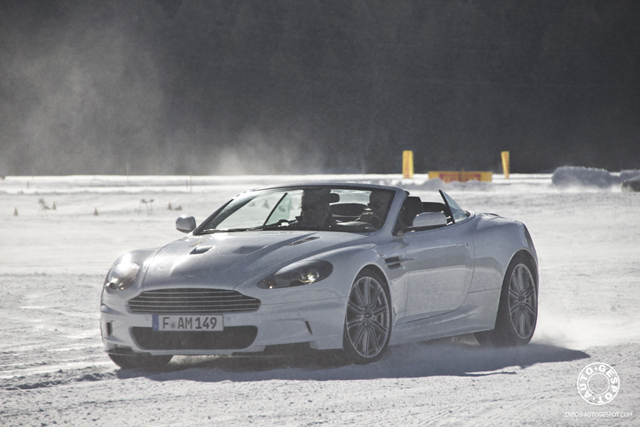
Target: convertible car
<point>345,267</point>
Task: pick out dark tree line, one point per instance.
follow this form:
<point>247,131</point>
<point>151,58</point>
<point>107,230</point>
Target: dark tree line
<point>287,86</point>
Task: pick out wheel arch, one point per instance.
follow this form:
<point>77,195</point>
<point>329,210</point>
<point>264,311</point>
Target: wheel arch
<point>351,347</point>
<point>529,257</point>
<point>352,261</point>
<point>376,269</point>
<point>503,332</point>
<point>385,282</point>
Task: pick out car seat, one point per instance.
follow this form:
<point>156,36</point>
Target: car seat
<point>411,207</point>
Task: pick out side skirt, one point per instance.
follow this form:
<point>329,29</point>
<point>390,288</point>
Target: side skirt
<point>477,313</point>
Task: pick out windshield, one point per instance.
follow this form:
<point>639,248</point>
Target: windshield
<point>304,208</point>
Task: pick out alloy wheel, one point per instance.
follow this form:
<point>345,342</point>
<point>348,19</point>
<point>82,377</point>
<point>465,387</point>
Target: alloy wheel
<point>368,322</point>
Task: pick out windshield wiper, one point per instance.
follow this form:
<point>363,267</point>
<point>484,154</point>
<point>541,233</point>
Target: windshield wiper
<point>209,231</point>
<point>280,224</point>
<point>226,230</point>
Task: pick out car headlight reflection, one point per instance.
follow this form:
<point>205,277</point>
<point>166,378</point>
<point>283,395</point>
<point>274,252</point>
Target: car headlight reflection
<point>122,275</point>
<point>298,274</point>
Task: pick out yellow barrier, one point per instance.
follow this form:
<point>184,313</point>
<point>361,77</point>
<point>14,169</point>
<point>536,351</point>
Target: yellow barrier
<point>462,176</point>
<point>407,164</point>
<point>505,164</point>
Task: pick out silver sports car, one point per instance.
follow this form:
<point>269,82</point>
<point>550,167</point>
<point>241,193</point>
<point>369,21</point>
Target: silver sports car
<point>345,267</point>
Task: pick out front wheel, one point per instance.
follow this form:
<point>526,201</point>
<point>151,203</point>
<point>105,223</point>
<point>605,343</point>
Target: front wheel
<point>367,326</point>
<point>518,308</point>
<point>140,361</point>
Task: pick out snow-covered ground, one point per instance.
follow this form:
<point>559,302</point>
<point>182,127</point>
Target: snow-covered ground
<point>53,370</point>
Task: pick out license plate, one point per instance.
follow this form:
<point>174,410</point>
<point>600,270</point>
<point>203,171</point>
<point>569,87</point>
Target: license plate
<point>187,323</point>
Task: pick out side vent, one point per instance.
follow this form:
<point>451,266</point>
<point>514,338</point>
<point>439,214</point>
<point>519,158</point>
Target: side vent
<point>393,262</point>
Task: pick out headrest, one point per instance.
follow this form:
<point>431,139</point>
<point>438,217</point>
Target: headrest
<point>413,204</point>
<point>319,196</point>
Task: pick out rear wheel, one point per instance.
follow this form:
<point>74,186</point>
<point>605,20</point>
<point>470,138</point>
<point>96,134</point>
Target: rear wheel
<point>368,319</point>
<point>140,361</point>
<point>518,308</point>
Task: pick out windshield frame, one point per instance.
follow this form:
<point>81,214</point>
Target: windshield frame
<point>458,214</point>
<point>291,194</point>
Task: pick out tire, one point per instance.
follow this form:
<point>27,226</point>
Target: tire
<point>140,361</point>
<point>518,308</point>
<point>367,326</point>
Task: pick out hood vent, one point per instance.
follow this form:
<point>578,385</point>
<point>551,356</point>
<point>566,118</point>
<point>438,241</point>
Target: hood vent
<point>244,250</point>
<point>305,240</point>
<point>200,250</point>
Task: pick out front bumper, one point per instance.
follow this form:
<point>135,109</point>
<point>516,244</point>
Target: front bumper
<point>319,323</point>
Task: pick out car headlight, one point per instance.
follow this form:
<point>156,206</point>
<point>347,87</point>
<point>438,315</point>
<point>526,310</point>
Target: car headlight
<point>298,274</point>
<point>122,275</point>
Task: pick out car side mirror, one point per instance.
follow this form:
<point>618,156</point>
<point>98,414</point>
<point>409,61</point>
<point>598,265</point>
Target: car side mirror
<point>186,224</point>
<point>429,220</point>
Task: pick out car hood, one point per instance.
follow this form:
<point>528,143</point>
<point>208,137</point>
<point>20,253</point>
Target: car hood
<point>227,259</point>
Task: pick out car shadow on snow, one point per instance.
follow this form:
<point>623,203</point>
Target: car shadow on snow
<point>460,356</point>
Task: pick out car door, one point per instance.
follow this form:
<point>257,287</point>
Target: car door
<point>439,266</point>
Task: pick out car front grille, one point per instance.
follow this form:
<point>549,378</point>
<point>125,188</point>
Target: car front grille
<point>192,300</point>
